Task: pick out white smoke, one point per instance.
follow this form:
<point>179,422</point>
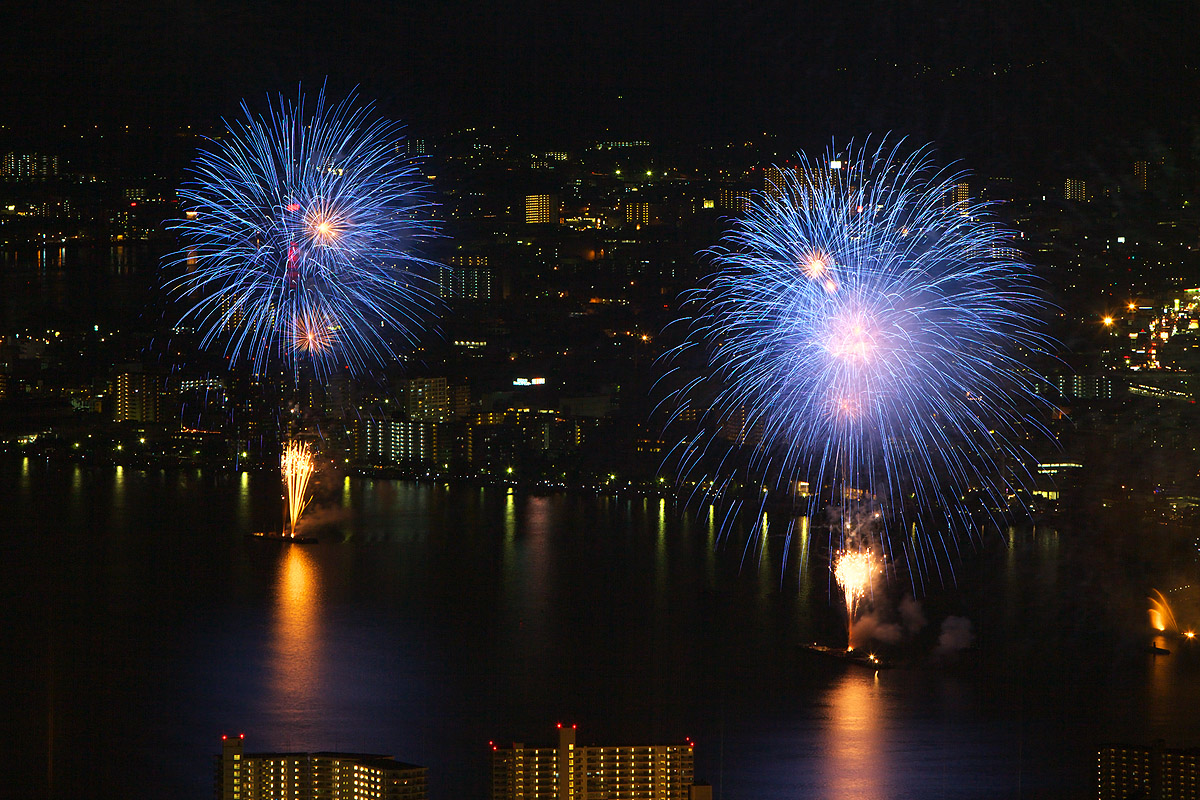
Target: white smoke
<point>955,637</point>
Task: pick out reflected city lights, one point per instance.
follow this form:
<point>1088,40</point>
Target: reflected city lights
<point>803,556</point>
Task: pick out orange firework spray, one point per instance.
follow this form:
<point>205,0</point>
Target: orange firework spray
<point>853,571</point>
<point>312,332</point>
<point>297,466</point>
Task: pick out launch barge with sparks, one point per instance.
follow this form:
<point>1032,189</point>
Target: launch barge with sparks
<point>276,536</point>
<point>860,657</point>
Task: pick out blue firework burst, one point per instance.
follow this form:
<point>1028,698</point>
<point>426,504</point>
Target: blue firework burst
<point>866,332</point>
<point>301,239</point>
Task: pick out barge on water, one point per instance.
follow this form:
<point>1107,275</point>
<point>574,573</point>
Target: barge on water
<point>276,536</point>
<point>860,657</point>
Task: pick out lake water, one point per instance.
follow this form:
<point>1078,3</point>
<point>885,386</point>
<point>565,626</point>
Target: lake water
<point>140,625</point>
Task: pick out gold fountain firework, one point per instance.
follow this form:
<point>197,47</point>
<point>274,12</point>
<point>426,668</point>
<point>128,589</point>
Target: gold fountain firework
<point>853,570</point>
<point>297,466</point>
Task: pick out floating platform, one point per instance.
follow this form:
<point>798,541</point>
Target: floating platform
<point>276,536</point>
<point>859,657</point>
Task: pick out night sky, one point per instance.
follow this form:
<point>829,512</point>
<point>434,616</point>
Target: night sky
<point>1023,82</point>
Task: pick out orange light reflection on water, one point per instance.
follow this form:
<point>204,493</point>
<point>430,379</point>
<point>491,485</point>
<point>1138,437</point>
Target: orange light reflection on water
<point>857,762</point>
<point>294,667</point>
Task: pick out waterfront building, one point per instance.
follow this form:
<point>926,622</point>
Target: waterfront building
<point>1155,773</point>
<point>609,772</point>
<point>390,442</point>
<point>308,776</point>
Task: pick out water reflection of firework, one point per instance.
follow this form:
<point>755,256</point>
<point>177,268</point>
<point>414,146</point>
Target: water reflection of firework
<point>854,572</point>
<point>297,467</point>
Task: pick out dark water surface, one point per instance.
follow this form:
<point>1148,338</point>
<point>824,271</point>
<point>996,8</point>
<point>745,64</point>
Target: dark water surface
<point>140,625</point>
<point>76,287</point>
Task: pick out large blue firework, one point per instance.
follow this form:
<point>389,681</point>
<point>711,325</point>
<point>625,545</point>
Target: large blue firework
<point>301,237</point>
<point>866,331</point>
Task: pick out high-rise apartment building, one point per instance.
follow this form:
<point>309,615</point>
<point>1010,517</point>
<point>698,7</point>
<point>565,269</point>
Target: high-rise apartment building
<point>309,776</point>
<point>25,166</point>
<point>636,213</point>
<point>805,180</point>
<point>136,396</point>
<point>425,399</point>
<point>387,442</point>
<point>1076,190</point>
<point>572,772</point>
<point>735,200</point>
<point>1141,175</point>
<point>1155,773</point>
<point>468,277</point>
<point>775,180</point>
<point>541,209</point>
<point>959,196</point>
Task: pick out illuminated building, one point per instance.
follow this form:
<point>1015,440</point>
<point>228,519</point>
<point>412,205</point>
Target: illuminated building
<point>1075,190</point>
<point>1141,175</point>
<point>231,315</point>
<point>738,429</point>
<point>385,442</point>
<point>1084,387</point>
<point>637,213</point>
<point>1007,254</point>
<point>24,166</point>
<point>301,776</point>
<point>425,399</point>
<point>136,396</point>
<point>541,209</point>
<point>468,277</point>
<point>735,200</point>
<point>501,439</point>
<point>773,180</point>
<point>621,145</point>
<point>1155,773</point>
<point>806,179</point>
<point>959,195</point>
<point>567,772</point>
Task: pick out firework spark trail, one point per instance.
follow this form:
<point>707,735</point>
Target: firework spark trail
<point>297,466</point>
<point>854,572</point>
<point>300,239</point>
<point>867,336</point>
